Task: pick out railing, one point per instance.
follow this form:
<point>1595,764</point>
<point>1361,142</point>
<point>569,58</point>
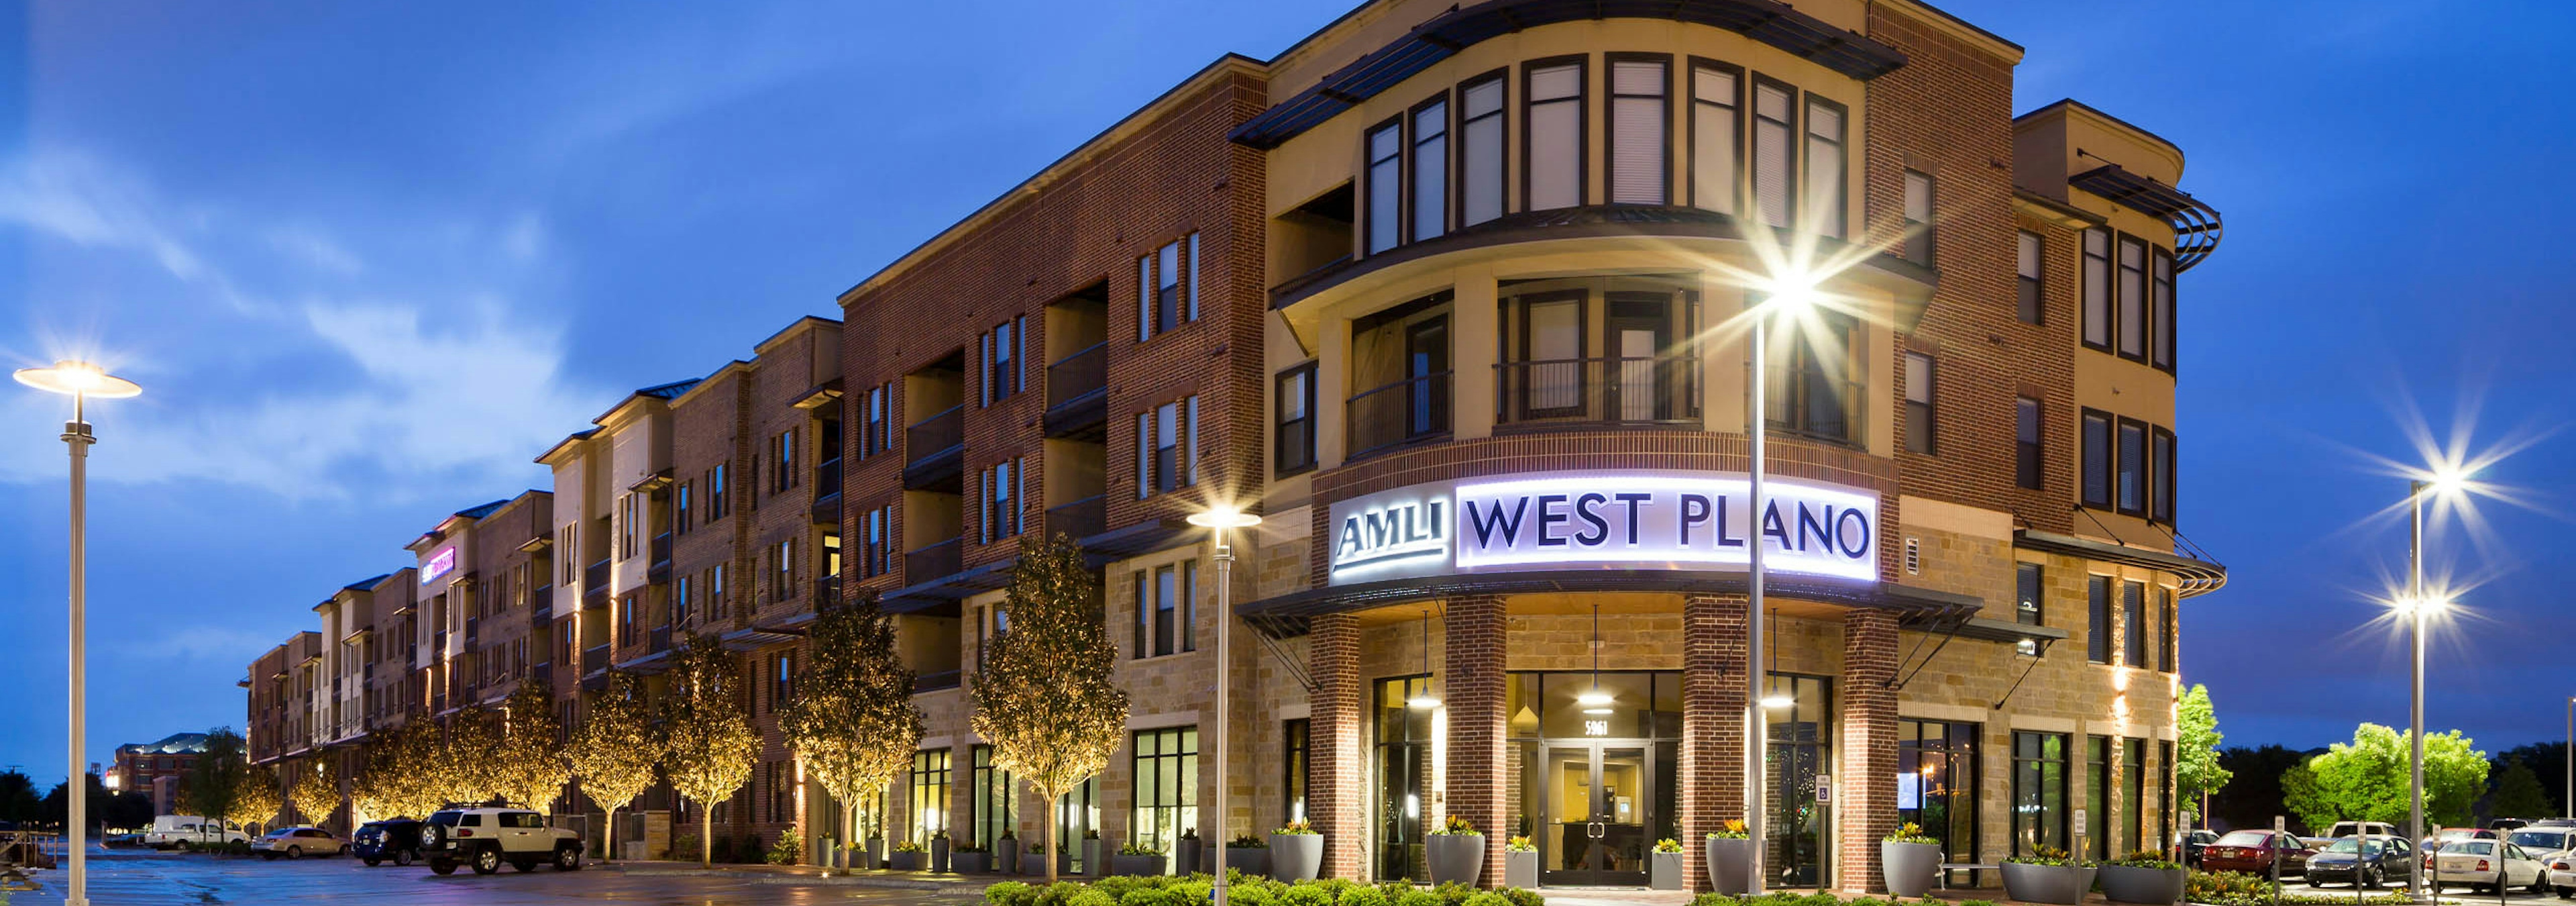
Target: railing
<point>594,578</point>
<point>936,434</point>
<point>1402,412</point>
<point>827,592</point>
<point>1078,375</point>
<point>593,658</point>
<point>1081,518</point>
<point>1606,391</point>
<point>1812,405</point>
<point>827,478</point>
<point>658,640</point>
<point>933,682</point>
<point>543,674</point>
<point>661,549</point>
<point>934,561</point>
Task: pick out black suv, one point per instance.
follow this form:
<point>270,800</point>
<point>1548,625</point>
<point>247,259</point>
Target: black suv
<point>396,839</point>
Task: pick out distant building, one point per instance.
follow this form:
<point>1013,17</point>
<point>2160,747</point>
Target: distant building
<point>156,768</point>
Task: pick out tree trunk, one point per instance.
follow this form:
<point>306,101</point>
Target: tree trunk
<point>611,832</point>
<point>1046,835</point>
<point>706,837</point>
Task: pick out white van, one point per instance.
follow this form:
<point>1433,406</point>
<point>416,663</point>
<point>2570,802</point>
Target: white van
<point>171,830</point>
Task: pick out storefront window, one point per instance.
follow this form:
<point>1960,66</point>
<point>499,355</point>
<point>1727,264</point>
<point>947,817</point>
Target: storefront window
<point>1404,736</point>
<point>2039,791</point>
<point>1166,774</point>
<point>993,805</point>
<point>1936,786</point>
<point>929,794</point>
<point>1296,762</point>
<point>1077,812</point>
<point>1797,827</point>
<point>1593,774</point>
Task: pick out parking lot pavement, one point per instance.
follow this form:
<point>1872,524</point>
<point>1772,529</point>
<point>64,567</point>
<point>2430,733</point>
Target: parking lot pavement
<point>2455,894</point>
<point>156,879</point>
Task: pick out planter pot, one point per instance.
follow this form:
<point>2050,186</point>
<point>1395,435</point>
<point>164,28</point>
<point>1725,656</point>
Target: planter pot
<point>1909,867</point>
<point>1663,870</point>
<point>971,863</point>
<point>1140,866</point>
<point>1091,855</point>
<point>2059,884</point>
<point>1006,855</point>
<point>872,855</point>
<point>939,854</point>
<point>904,861</point>
<point>1455,857</point>
<point>1190,854</point>
<point>1252,861</point>
<point>1296,857</point>
<point>1520,869</point>
<point>2156,886</point>
<point>1034,864</point>
<point>1730,865</point>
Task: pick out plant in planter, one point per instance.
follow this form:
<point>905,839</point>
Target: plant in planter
<point>970,859</point>
<point>1520,862</point>
<point>2144,877</point>
<point>1456,852</point>
<point>907,857</point>
<point>939,851</point>
<point>1006,853</point>
<point>1730,858</point>
<point>1910,860</point>
<point>2047,875</point>
<point>1189,854</point>
<point>1664,868</point>
<point>1140,859</point>
<point>1296,852</point>
<point>1248,854</point>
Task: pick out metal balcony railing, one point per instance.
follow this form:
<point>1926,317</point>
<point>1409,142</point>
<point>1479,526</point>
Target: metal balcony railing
<point>932,562</point>
<point>827,478</point>
<point>1079,518</point>
<point>594,658</point>
<point>1399,413</point>
<point>935,435</point>
<point>661,549</point>
<point>933,682</point>
<point>1604,391</point>
<point>1078,375</point>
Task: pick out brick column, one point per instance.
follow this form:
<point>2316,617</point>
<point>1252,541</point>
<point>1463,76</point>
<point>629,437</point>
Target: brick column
<point>1474,696</point>
<point>1337,793</point>
<point>1865,782</point>
<point>1714,652</point>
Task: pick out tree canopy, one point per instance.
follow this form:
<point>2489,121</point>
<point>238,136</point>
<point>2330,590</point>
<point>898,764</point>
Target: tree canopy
<point>613,751</point>
<point>394,782</point>
<point>530,762</point>
<point>2366,779</point>
<point>2518,793</point>
<point>708,746</point>
<point>852,720</point>
<point>255,799</point>
<point>2197,771</point>
<point>1045,697</point>
<point>316,793</point>
<point>210,786</point>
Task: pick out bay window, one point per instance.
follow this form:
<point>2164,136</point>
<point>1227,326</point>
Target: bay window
<point>1717,138</point>
<point>1552,146</point>
<point>1430,170</point>
<point>1772,147</point>
<point>1640,123</point>
<point>1825,172</point>
<point>1480,151</point>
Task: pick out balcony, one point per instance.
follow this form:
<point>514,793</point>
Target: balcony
<point>1807,403</point>
<point>1080,518</point>
<point>594,658</point>
<point>660,570</point>
<point>1078,393</point>
<point>543,674</point>
<point>935,448</point>
<point>1408,411</point>
<point>934,561</point>
<point>473,630</point>
<point>1577,393</point>
<point>827,492</point>
<point>594,585</point>
<point>827,593</point>
<point>658,640</point>
<point>933,682</point>
<point>541,605</point>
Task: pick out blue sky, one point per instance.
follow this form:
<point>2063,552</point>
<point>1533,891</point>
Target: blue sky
<point>368,259</point>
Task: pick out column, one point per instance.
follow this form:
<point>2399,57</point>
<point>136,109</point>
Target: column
<point>1472,314</point>
<point>1474,692</point>
<point>1337,790</point>
<point>1865,781</point>
<point>1714,652</point>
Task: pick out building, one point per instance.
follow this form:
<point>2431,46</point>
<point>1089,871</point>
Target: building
<point>1527,247</point>
<point>156,769</point>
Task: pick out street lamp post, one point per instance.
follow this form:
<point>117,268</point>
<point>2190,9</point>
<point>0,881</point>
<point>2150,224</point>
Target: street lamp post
<point>2415,702</point>
<point>81,381</point>
<point>1216,521</point>
<point>2567,794</point>
<point>1758,673</point>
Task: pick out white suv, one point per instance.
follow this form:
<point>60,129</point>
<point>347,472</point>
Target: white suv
<point>487,837</point>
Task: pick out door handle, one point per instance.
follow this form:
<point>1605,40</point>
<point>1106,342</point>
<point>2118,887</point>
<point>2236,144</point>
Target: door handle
<point>1596,830</point>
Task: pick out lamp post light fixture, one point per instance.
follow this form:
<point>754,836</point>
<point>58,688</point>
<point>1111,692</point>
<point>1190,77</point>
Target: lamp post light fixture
<point>2417,608</point>
<point>1787,296</point>
<point>1217,520</point>
<point>81,381</point>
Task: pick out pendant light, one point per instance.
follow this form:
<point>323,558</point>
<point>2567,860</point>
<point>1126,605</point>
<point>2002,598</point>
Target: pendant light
<point>1424,700</point>
<point>1595,701</point>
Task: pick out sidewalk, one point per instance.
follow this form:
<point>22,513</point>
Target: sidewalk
<point>811,874</point>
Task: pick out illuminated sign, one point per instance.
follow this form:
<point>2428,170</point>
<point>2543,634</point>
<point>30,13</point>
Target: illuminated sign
<point>1604,520</point>
<point>440,564</point>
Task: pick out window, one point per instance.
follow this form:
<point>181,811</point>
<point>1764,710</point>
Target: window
<point>718,600</point>
<point>1167,783</point>
<point>2133,623</point>
<point>1918,404</point>
<point>783,580</point>
<point>1812,391</point>
<point>876,426</point>
<point>2027,593</point>
<point>2097,797</point>
<point>2039,791</point>
<point>782,680</point>
<point>1918,218</point>
<point>1480,151</point>
<point>1639,143</point>
<point>1003,372</point>
<point>1385,219</point>
<point>1004,513</point>
<point>2132,312</point>
<point>2164,790</point>
<point>2097,288</point>
<point>1937,784</point>
<point>1167,609</point>
<point>1160,301</point>
<point>782,458</point>
<point>2097,459</point>
<point>1297,750</point>
<point>2167,628</point>
<point>717,499</point>
<point>877,557</point>
<point>2133,793</point>
<point>630,522</point>
<point>626,620</point>
<point>680,508</point>
<point>1167,442</point>
<point>1771,151</point>
<point>1825,173</point>
<point>929,795</point>
<point>2097,629</point>
<point>2026,448</point>
<point>1430,169</point>
<point>1716,124</point>
<point>2163,492</point>
<point>1295,432</point>
<point>993,806</point>
<point>2029,283</point>
<point>1552,146</point>
<point>2132,475</point>
<point>2160,308</point>
<point>681,600</point>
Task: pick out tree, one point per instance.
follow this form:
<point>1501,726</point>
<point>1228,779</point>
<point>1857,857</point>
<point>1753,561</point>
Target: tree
<point>316,793</point>
<point>210,787</point>
<point>255,798</point>
<point>707,743</point>
<point>612,752</point>
<point>2548,761</point>
<point>394,782</point>
<point>531,759</point>
<point>2254,790</point>
<point>2197,770</point>
<point>2366,779</point>
<point>467,766</point>
<point>852,721</point>
<point>2517,793</point>
<point>1044,696</point>
<point>18,800</point>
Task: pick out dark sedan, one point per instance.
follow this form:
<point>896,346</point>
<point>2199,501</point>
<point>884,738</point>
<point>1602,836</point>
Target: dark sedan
<point>2345,861</point>
<point>395,839</point>
<point>2255,851</point>
<point>2187,850</point>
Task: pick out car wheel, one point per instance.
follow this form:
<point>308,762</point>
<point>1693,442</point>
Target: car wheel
<point>373,862</point>
<point>442,866</point>
<point>2567,893</point>
<point>344,850</point>
<point>567,859</point>
<point>402,857</point>
<point>2540,885</point>
<point>2367,881</point>
<point>295,852</point>
<point>487,860</point>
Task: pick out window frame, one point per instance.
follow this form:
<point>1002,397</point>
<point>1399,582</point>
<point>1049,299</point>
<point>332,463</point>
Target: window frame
<point>1610,125</point>
<point>2098,618</point>
<point>1735,180</point>
<point>2129,310</point>
<point>2160,309</point>
<point>1500,77</point>
<point>2087,265</point>
<point>2133,624</point>
<point>1280,460</point>
<point>2030,457</point>
<point>2145,465</point>
<point>1582,101</point>
<point>1792,166</point>
<point>1413,183</point>
<point>2036,595</point>
<point>1930,405</point>
<point>2163,449</point>
<point>2107,470</point>
<point>1920,244</point>
<point>1369,163</point>
<point>1810,100</point>
<point>2031,288</point>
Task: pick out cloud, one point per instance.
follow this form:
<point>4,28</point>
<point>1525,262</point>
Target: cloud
<point>75,199</point>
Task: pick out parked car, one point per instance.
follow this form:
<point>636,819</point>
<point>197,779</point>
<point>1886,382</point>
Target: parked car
<point>2507,824</point>
<point>2562,875</point>
<point>396,839</point>
<point>2484,864</point>
<point>2456,834</point>
<point>2543,843</point>
<point>171,830</point>
<point>2555,822</point>
<point>2352,860</point>
<point>2255,851</point>
<point>486,837</point>
<point>2343,829</point>
<point>2187,850</point>
<point>298,842</point>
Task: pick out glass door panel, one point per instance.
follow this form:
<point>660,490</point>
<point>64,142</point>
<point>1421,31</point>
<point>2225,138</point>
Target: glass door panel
<point>1601,812</point>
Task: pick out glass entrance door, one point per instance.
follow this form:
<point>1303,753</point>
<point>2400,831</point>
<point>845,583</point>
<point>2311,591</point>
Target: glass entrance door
<point>1600,808</point>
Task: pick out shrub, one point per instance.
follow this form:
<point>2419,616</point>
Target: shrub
<point>1734,830</point>
<point>1910,832</point>
<point>1251,893</point>
<point>1415,896</point>
<point>1452,893</point>
<point>2144,859</point>
<point>1305,895</point>
<point>1140,849</point>
<point>1487,898</point>
<point>1247,841</point>
<point>1522,896</point>
<point>1364,896</point>
<point>1457,826</point>
<point>1298,828</point>
<point>1090,898</point>
<point>1150,896</point>
<point>1009,893</point>
<point>1665,845</point>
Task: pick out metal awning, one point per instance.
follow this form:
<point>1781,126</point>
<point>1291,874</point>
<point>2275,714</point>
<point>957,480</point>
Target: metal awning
<point>1290,615</point>
<point>2196,225</point>
<point>758,637</point>
<point>1768,21</point>
<point>2199,577</point>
